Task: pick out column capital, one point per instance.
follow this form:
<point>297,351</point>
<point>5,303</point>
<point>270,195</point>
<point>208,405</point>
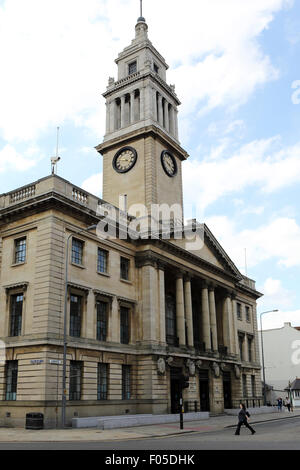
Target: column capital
<point>179,275</point>
<point>204,284</point>
<point>187,277</point>
<point>212,286</point>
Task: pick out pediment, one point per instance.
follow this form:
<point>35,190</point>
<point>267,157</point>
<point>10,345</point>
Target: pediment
<point>207,248</point>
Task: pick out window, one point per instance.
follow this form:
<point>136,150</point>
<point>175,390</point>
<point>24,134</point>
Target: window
<point>241,340</point>
<point>75,380</point>
<point>248,318</point>
<point>102,321</point>
<point>102,381</point>
<point>156,68</point>
<point>102,261</point>
<point>126,382</point>
<point>253,385</point>
<point>20,251</point>
<point>125,269</point>
<point>249,349</point>
<point>75,316</point>
<point>171,336</point>
<point>239,311</point>
<point>132,68</point>
<point>124,320</point>
<point>245,393</point>
<point>16,308</point>
<point>11,380</point>
<point>77,251</point>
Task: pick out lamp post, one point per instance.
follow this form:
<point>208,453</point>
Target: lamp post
<point>262,353</point>
<point>64,391</point>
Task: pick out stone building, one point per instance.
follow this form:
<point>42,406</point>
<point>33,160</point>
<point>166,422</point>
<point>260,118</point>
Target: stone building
<point>143,313</point>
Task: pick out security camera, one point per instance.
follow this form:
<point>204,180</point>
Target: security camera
<point>54,160</point>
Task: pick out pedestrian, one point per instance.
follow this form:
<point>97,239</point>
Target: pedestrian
<point>279,404</point>
<point>288,403</point>
<point>243,416</point>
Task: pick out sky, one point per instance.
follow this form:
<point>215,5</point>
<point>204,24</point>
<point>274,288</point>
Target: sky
<point>235,64</point>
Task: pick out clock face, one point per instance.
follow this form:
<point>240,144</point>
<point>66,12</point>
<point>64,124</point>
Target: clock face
<point>169,163</point>
<point>125,159</point>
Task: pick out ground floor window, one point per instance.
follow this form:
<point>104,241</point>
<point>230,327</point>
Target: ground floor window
<point>102,381</point>
<point>75,380</point>
<point>11,380</point>
<point>245,391</point>
<point>126,382</point>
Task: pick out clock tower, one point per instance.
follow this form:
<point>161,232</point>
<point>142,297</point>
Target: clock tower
<point>142,156</point>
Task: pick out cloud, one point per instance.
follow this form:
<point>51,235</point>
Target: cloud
<point>58,54</point>
<point>10,159</point>
<point>263,163</point>
<point>278,240</point>
<point>93,184</point>
<point>275,295</point>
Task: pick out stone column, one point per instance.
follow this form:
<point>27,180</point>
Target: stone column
<point>189,312</point>
<point>236,348</point>
<point>160,110</point>
<point>112,116</point>
<point>122,111</point>
<point>229,327</point>
<point>176,122</point>
<point>162,304</point>
<point>132,107</point>
<point>206,318</point>
<point>166,115</point>
<point>115,321</point>
<point>245,349</point>
<point>213,318</point>
<point>107,116</point>
<point>155,117</point>
<point>142,104</point>
<point>150,302</point>
<point>180,318</point>
<point>171,121</point>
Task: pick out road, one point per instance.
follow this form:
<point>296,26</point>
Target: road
<point>274,435</point>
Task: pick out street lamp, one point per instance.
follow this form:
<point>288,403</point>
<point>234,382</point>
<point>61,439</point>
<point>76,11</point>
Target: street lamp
<point>64,398</point>
<point>262,353</point>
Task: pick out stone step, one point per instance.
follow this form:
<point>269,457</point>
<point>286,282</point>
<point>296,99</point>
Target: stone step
<point>126,421</point>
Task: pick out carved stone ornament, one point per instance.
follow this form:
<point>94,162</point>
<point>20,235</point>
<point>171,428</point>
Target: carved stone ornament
<point>237,371</point>
<point>191,367</point>
<point>170,361</point>
<point>223,366</point>
<point>199,364</point>
<point>161,366</point>
<point>216,369</point>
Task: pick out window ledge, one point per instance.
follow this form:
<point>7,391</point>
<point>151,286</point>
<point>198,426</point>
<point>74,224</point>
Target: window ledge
<point>14,265</point>
<point>78,265</point>
<point>103,274</point>
<point>126,281</point>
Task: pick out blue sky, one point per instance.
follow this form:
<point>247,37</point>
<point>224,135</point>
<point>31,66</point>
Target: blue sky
<point>234,64</point>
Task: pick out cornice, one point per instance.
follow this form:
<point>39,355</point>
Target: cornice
<point>151,130</point>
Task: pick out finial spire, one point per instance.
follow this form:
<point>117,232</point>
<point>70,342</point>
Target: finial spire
<point>141,18</point>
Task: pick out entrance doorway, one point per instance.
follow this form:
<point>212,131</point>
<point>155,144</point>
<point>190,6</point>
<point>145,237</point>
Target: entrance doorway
<point>227,390</point>
<point>204,390</point>
<point>175,389</point>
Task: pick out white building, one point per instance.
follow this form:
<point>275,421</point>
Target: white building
<point>282,359</point>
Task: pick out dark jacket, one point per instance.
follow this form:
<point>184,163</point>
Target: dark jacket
<point>242,416</point>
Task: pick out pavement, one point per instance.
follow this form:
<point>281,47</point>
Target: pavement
<point>141,432</point>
